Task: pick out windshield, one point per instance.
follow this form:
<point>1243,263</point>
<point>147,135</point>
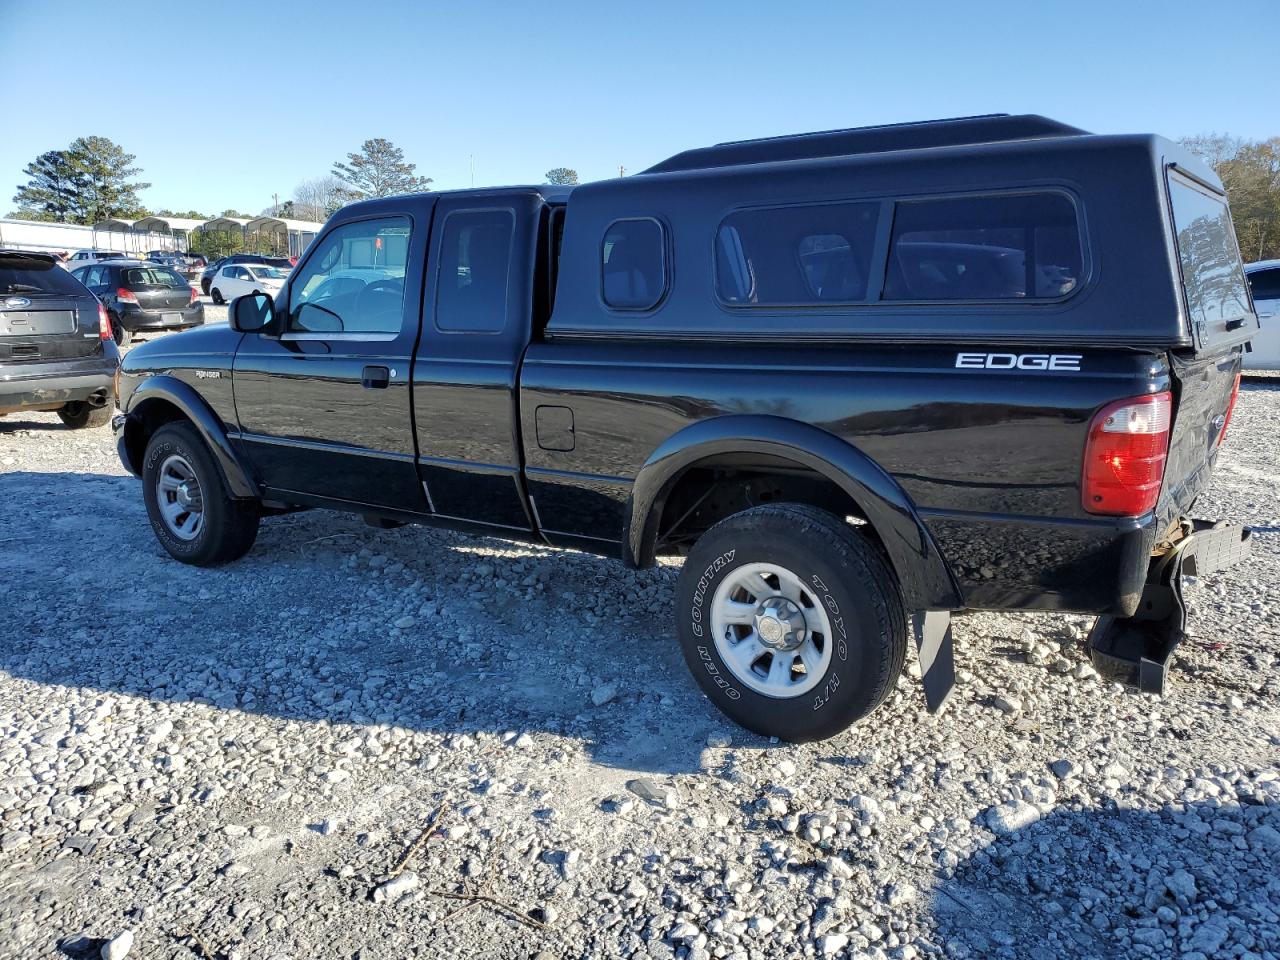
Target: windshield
<point>35,275</point>
<point>267,273</point>
<point>152,277</point>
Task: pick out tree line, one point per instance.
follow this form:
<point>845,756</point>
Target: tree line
<point>1250,170</point>
<point>95,179</point>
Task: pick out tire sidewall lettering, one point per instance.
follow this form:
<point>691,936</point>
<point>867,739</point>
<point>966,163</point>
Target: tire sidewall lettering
<point>155,455</point>
<point>696,618</point>
<point>831,684</point>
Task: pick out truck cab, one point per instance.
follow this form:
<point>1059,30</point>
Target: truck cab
<point>859,379</point>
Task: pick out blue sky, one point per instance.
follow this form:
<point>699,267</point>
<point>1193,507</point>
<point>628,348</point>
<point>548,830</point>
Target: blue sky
<point>235,101</point>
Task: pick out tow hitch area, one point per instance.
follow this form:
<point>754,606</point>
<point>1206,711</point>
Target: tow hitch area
<point>1137,650</point>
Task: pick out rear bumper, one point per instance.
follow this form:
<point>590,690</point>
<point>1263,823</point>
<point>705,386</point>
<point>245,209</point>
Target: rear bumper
<point>1138,650</point>
<point>135,319</point>
<point>44,384</point>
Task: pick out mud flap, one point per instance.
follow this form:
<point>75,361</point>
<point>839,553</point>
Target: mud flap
<point>932,629</point>
<point>1138,650</point>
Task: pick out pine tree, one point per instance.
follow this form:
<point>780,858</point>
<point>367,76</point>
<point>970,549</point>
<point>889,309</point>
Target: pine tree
<point>379,170</point>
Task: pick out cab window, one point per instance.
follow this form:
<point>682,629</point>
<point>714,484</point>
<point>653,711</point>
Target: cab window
<point>354,282</point>
<point>475,261</point>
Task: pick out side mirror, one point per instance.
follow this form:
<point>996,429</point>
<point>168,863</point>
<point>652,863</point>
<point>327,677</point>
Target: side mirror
<point>251,313</point>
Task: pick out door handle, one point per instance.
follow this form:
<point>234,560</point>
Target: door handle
<point>375,378</point>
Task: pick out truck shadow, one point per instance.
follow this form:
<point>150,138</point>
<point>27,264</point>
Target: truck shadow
<point>330,620</point>
<point>1197,879</point>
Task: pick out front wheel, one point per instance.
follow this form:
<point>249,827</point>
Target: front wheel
<point>791,621</point>
<point>193,516</point>
<point>79,414</point>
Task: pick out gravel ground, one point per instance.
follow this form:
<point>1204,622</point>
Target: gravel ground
<point>385,744</point>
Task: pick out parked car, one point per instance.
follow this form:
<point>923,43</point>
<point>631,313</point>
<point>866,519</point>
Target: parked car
<point>858,379</point>
<point>142,296</point>
<point>1264,283</point>
<point>56,351</point>
<point>86,258</point>
<point>236,279</point>
<point>206,278</point>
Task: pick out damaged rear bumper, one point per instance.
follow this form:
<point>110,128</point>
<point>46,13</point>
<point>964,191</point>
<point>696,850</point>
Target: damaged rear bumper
<point>1137,650</point>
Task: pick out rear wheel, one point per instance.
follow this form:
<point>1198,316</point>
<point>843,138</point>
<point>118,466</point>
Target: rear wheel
<point>80,414</point>
<point>119,334</point>
<point>190,510</point>
<point>217,296</point>
<point>791,621</point>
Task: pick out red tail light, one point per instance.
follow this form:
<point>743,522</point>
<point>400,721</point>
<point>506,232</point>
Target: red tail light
<point>1125,454</point>
<point>125,296</point>
<point>104,324</point>
<point>194,296</point>
<point>1231,407</point>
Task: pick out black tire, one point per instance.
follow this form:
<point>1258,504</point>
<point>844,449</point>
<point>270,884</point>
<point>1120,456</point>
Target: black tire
<point>217,296</point>
<point>79,414</point>
<point>119,334</point>
<point>845,573</point>
<point>204,287</point>
<point>229,527</point>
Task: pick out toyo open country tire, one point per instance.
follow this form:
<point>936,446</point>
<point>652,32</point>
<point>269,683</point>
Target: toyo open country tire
<point>190,510</point>
<point>827,609</point>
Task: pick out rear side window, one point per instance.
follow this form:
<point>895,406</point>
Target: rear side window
<point>633,264</point>
<point>475,260</point>
<point>1212,276</point>
<point>818,253</point>
<point>1011,247</point>
<point>1265,284</point>
<point>34,276</point>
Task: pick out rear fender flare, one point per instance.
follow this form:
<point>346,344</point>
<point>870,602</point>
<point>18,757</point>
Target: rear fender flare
<point>171,390</point>
<point>926,581</point>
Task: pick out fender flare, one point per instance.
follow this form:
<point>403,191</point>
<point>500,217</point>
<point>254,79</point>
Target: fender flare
<point>926,580</point>
<point>169,389</point>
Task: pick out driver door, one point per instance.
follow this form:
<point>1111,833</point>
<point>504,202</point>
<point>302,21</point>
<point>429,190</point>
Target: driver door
<point>324,406</point>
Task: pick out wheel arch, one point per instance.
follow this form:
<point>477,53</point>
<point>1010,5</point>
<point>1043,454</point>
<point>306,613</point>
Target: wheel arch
<point>165,399</point>
<point>876,496</point>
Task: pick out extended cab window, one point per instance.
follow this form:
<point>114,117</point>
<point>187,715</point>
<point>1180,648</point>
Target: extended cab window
<point>633,264</point>
<point>815,253</point>
<point>354,281</point>
<point>475,259</point>
<point>1012,247</point>
<point>1211,273</point>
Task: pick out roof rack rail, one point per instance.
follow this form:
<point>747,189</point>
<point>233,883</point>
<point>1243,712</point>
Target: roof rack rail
<point>988,128</point>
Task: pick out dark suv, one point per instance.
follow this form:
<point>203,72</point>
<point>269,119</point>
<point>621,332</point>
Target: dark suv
<point>859,379</point>
<point>56,351</point>
<point>142,296</point>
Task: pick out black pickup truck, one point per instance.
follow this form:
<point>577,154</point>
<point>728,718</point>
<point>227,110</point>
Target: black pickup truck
<point>861,379</point>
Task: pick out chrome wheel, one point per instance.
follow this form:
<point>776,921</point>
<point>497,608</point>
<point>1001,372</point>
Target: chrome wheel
<point>179,497</point>
<point>771,630</point>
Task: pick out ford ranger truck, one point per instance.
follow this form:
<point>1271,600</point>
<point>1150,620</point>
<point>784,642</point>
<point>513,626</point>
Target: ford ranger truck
<point>858,380</point>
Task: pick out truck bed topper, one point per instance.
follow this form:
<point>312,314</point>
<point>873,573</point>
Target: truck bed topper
<point>990,128</point>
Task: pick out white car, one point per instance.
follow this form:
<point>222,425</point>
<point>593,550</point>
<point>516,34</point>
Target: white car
<point>88,258</point>
<point>1264,283</point>
<point>237,279</point>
